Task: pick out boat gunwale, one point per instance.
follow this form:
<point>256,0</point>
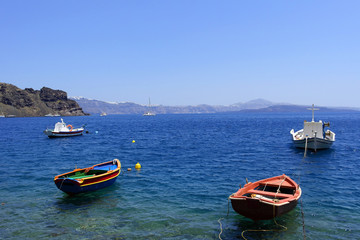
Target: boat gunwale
<point>75,130</point>
<point>252,185</point>
<point>81,180</point>
<point>293,134</point>
<point>266,201</point>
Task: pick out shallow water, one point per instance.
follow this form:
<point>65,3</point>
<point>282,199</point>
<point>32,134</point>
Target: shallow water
<point>190,165</point>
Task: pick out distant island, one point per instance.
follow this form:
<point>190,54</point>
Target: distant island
<point>98,107</point>
<point>15,102</point>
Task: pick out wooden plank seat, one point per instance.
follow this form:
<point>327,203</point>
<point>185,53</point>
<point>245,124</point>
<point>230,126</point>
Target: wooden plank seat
<point>277,182</point>
<point>271,194</point>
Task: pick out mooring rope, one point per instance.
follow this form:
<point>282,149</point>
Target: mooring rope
<point>266,230</point>
<point>303,220</point>
<point>221,230</point>
<point>301,202</point>
<point>299,182</point>
<point>306,142</point>
<point>62,182</point>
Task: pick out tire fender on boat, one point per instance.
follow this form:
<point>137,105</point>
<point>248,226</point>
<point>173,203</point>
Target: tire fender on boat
<point>69,126</point>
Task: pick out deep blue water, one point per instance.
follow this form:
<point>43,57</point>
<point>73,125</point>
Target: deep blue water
<point>190,165</point>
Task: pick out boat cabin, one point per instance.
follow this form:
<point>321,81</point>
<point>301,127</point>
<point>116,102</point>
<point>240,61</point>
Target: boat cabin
<point>313,128</point>
<point>61,127</point>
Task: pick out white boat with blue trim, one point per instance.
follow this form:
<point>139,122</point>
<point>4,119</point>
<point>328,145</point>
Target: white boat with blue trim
<point>313,136</point>
<point>63,130</point>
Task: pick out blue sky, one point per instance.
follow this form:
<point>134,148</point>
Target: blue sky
<point>185,52</point>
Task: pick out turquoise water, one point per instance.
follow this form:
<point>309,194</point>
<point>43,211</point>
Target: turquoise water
<point>190,165</point>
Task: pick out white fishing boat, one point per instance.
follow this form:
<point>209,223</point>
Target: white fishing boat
<point>149,112</point>
<point>313,135</point>
<point>63,130</point>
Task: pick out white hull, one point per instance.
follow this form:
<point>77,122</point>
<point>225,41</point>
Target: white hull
<point>63,130</point>
<point>313,143</point>
<point>74,132</point>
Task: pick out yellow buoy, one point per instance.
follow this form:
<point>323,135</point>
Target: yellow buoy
<point>137,166</point>
<point>133,141</point>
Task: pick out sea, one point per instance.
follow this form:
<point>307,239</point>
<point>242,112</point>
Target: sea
<point>190,164</point>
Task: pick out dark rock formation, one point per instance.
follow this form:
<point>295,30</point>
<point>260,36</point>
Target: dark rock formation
<point>31,103</point>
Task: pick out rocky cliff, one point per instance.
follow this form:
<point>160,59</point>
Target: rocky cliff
<point>34,103</point>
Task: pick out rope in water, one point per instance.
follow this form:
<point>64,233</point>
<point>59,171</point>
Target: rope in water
<point>299,181</point>
<point>302,209</point>
<point>221,230</point>
<point>303,220</point>
<point>62,182</point>
<point>306,142</point>
<point>266,230</point>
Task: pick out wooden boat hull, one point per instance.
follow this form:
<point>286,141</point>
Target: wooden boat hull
<point>313,143</point>
<point>257,210</point>
<point>267,198</point>
<point>52,134</point>
<point>100,176</point>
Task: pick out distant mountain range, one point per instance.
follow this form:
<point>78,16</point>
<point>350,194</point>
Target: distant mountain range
<point>97,107</point>
<point>16,102</point>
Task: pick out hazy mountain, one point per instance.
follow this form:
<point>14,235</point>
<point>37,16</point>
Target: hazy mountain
<point>258,105</point>
<point>255,104</point>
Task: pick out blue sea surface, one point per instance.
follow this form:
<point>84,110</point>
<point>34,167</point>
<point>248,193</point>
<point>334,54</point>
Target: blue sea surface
<point>190,165</point>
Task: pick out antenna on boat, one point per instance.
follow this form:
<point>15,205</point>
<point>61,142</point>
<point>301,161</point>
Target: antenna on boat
<point>313,109</point>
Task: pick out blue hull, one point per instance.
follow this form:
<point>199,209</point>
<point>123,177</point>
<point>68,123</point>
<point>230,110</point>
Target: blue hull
<point>89,179</point>
<point>69,187</point>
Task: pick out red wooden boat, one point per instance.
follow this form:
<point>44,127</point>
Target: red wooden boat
<point>267,198</point>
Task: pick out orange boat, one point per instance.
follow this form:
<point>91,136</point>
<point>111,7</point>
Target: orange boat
<point>267,198</point>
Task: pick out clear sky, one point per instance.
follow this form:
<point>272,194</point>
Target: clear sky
<point>185,52</point>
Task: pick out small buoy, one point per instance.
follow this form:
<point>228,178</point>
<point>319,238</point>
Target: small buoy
<point>133,141</point>
<point>129,169</point>
<point>96,132</point>
<point>137,166</point>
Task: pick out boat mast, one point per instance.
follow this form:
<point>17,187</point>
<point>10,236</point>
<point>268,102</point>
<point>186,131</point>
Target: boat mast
<point>313,112</point>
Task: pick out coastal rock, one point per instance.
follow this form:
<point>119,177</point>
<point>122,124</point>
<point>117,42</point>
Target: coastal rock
<point>32,103</point>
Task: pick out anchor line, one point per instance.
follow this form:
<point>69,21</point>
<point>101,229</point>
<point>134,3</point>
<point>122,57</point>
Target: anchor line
<point>221,230</point>
<point>299,182</point>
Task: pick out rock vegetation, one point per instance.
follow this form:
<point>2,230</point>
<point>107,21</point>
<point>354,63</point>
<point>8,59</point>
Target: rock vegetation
<point>34,103</point>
